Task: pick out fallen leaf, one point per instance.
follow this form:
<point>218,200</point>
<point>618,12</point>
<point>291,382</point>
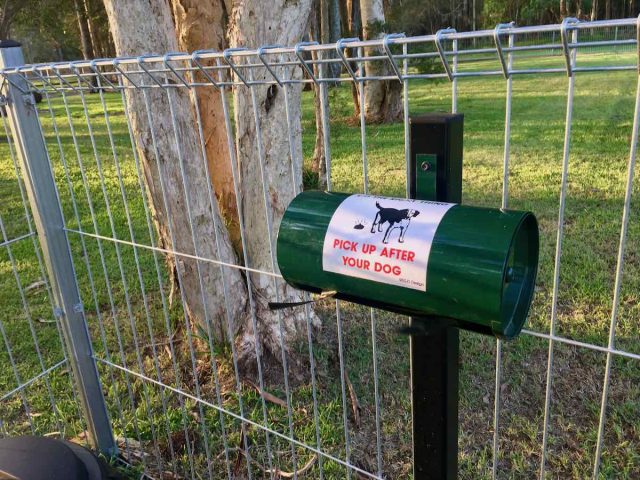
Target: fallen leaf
<point>35,285</point>
<point>355,404</point>
<point>307,466</point>
<point>269,397</point>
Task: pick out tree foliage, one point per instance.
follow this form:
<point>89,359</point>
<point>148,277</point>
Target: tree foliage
<point>420,17</point>
<point>49,29</point>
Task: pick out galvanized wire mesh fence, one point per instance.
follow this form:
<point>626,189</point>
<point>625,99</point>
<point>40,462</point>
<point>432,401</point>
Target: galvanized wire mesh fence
<point>338,406</point>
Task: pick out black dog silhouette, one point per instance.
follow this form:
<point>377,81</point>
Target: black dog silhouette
<point>395,218</point>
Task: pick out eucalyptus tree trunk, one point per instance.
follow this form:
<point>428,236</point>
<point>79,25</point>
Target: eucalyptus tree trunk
<point>382,99</point>
<point>319,15</point>
<point>85,40</point>
<point>267,173</point>
<point>355,30</point>
<point>335,31</point>
<point>8,13</point>
<point>201,24</point>
<point>319,161</point>
<point>98,50</point>
<point>184,219</point>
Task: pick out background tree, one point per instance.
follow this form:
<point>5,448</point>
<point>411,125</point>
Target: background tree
<point>382,99</point>
<point>83,28</point>
<point>8,12</point>
<point>319,31</point>
<point>417,17</point>
<point>56,30</point>
<point>48,29</point>
<point>204,25</point>
<point>98,26</point>
<point>354,29</point>
<point>354,19</point>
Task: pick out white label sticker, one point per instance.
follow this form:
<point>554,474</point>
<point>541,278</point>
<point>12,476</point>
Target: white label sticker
<point>382,239</point>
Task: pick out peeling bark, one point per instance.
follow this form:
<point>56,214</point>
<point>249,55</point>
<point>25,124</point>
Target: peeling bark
<point>201,25</point>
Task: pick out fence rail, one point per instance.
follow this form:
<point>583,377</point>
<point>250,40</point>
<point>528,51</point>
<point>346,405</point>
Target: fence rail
<point>179,403</point>
<point>233,65</point>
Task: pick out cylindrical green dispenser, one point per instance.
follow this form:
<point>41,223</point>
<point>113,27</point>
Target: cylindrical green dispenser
<point>476,266</point>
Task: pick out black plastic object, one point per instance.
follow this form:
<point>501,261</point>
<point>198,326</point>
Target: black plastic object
<point>9,44</point>
<point>40,458</point>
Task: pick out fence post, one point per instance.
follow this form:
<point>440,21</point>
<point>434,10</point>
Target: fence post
<point>435,175</point>
<point>47,214</point>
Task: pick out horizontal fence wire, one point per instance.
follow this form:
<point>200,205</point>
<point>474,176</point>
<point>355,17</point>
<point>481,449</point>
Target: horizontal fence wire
<point>336,405</point>
<point>234,66</point>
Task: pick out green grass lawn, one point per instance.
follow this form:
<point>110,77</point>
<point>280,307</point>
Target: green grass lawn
<point>603,111</point>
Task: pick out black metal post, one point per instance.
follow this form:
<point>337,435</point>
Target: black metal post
<point>436,174</point>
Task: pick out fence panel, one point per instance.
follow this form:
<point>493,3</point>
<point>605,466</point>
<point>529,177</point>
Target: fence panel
<point>561,401</point>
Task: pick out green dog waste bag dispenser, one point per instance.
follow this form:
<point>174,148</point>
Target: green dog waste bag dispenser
<point>475,266</point>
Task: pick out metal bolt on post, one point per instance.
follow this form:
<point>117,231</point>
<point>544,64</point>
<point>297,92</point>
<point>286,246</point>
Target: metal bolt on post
<point>47,214</point>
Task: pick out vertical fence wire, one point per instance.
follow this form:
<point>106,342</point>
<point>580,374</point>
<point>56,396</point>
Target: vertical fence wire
<point>233,159</point>
<point>103,262</point>
<point>44,278</point>
<point>192,233</point>
<point>454,82</point>
<point>29,317</point>
<point>180,271</point>
<point>17,376</point>
<point>405,119</point>
<point>38,255</point>
<point>372,312</point>
<point>618,276</point>
<point>165,309</point>
<point>29,220</point>
<point>47,344</point>
<point>272,255</point>
<point>571,61</point>
<point>119,255</point>
<point>504,204</point>
<point>119,258</point>
<point>149,321</point>
<point>85,255</point>
<point>325,120</point>
<point>297,164</point>
<point>214,208</point>
<point>31,233</point>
